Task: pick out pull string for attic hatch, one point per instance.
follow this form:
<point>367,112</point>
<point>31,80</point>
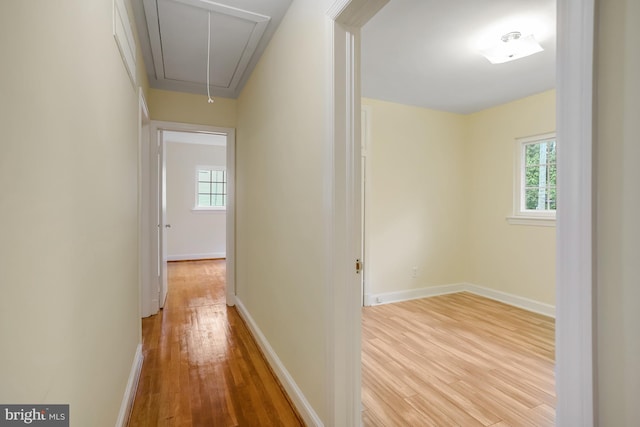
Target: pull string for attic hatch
<point>210,100</point>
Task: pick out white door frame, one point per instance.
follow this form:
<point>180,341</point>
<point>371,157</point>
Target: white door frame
<point>144,237</point>
<point>575,342</point>
<point>343,199</point>
<point>575,244</point>
<point>156,146</point>
<point>365,130</point>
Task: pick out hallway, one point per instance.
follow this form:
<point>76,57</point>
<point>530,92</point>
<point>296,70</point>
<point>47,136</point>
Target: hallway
<point>201,365</point>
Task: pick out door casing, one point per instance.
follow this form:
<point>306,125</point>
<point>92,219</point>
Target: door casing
<point>575,339</point>
<point>154,220</point>
<point>145,277</point>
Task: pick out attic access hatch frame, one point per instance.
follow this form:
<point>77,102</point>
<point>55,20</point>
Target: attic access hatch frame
<point>256,23</point>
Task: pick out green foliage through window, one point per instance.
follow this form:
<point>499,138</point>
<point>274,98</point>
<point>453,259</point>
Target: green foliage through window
<point>539,186</point>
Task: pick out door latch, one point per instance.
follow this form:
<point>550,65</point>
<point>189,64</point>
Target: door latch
<point>358,266</point>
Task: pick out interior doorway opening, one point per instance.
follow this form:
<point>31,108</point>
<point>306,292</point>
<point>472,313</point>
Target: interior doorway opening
<point>574,299</point>
<point>155,221</point>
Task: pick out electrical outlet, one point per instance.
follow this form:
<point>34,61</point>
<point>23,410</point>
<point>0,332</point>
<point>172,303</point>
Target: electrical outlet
<point>414,272</point>
<point>378,300</point>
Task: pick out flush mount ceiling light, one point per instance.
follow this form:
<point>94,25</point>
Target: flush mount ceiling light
<point>512,46</point>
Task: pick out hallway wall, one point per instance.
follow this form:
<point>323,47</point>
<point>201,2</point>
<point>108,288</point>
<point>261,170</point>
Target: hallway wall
<point>280,214</point>
<point>69,312</point>
<point>617,270</point>
<point>190,108</point>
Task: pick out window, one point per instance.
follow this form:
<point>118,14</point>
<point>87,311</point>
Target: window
<point>535,186</point>
<point>539,176</point>
<point>211,188</point>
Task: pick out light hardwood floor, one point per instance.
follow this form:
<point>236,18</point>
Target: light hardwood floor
<point>457,360</point>
<point>452,360</point>
<point>201,365</point>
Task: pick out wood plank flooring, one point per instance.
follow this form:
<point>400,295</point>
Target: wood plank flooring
<point>452,360</point>
<point>457,360</point>
<point>201,365</point>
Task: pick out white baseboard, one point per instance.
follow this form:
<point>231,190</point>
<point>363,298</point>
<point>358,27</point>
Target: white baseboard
<point>295,394</point>
<point>130,391</point>
<point>514,300</point>
<point>193,257</point>
<point>409,294</point>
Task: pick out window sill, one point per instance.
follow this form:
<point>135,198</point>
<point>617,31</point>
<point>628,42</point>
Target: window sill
<point>538,221</point>
<point>209,210</point>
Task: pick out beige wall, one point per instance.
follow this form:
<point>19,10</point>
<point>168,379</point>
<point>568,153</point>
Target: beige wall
<point>416,209</point>
<point>191,108</point>
<point>69,311</point>
<point>516,259</point>
<point>279,241</point>
<point>617,205</point>
<point>194,234</point>
<point>440,189</point>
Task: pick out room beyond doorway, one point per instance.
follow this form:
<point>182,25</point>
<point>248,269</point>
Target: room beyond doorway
<point>195,196</point>
<point>154,206</point>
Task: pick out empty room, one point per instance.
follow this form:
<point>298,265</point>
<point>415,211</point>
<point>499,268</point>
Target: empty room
<point>459,214</point>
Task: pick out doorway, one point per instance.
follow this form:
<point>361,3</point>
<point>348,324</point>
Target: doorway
<point>575,331</point>
<point>155,220</point>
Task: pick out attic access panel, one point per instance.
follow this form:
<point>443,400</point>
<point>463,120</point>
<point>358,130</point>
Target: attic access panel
<point>178,38</point>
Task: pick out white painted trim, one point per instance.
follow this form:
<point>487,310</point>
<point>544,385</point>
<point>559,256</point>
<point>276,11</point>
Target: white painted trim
<point>231,219</point>
<point>157,126</point>
<point>354,13</point>
<point>209,210</point>
<point>195,257</point>
<point>123,35</point>
<point>432,291</point>
<point>528,216</point>
<point>296,395</point>
<point>514,300</point>
<point>367,141</point>
<point>411,294</point>
<point>341,171</point>
<point>149,302</point>
<point>536,221</point>
<point>130,391</point>
<point>575,330</point>
<point>344,238</point>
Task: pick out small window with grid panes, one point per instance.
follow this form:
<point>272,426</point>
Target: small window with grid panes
<point>211,190</point>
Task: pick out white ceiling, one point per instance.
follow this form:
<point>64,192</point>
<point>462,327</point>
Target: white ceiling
<point>416,52</point>
<point>425,53</point>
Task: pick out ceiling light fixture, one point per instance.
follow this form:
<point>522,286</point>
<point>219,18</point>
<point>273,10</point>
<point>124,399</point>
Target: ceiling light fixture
<point>512,46</point>
<point>210,100</point>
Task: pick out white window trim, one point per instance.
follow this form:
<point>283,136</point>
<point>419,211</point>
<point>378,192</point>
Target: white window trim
<point>206,209</point>
<point>521,216</point>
